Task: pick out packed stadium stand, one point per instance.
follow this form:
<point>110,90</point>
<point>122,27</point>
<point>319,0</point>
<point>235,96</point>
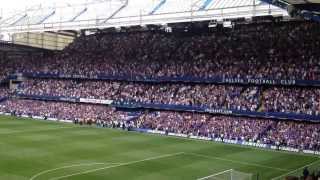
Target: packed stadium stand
<point>184,71</point>
<point>254,82</point>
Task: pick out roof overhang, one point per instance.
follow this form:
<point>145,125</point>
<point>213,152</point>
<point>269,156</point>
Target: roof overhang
<point>163,18</point>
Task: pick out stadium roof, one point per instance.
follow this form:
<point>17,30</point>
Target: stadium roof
<point>302,1</point>
<point>53,15</point>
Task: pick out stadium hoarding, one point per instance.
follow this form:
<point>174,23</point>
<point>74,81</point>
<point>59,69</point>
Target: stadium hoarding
<point>212,80</point>
<point>48,98</point>
<point>183,108</point>
<point>95,101</point>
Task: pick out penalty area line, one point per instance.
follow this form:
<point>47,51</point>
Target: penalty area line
<point>118,165</point>
<point>222,172</point>
<point>237,162</point>
<point>66,167</point>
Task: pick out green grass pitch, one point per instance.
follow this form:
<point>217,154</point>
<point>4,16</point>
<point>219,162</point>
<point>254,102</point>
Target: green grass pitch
<point>41,150</point>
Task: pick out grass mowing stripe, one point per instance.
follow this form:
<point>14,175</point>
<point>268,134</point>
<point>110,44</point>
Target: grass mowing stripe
<point>40,130</point>
<point>119,165</point>
<point>238,162</point>
<point>276,178</point>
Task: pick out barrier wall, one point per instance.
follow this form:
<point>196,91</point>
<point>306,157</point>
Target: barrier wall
<point>215,80</point>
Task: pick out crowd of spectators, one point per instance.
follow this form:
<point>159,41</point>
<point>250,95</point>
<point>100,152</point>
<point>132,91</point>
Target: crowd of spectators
<point>300,135</point>
<point>246,51</point>
<point>293,134</point>
<point>250,98</point>
<point>204,125</point>
<point>296,100</point>
<point>4,92</point>
<point>279,133</point>
<point>224,54</point>
<point>2,77</point>
<point>253,51</point>
<point>60,110</point>
<point>214,96</point>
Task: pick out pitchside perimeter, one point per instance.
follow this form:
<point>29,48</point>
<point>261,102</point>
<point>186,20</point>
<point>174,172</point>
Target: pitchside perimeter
<point>40,150</point>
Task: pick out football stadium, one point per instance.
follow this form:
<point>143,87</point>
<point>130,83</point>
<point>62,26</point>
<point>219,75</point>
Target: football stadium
<point>160,90</point>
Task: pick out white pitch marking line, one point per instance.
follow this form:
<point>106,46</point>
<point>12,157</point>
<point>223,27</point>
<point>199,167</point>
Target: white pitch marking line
<point>119,165</point>
<point>214,174</point>
<point>65,167</point>
<point>238,162</point>
<point>295,170</point>
<point>40,130</point>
